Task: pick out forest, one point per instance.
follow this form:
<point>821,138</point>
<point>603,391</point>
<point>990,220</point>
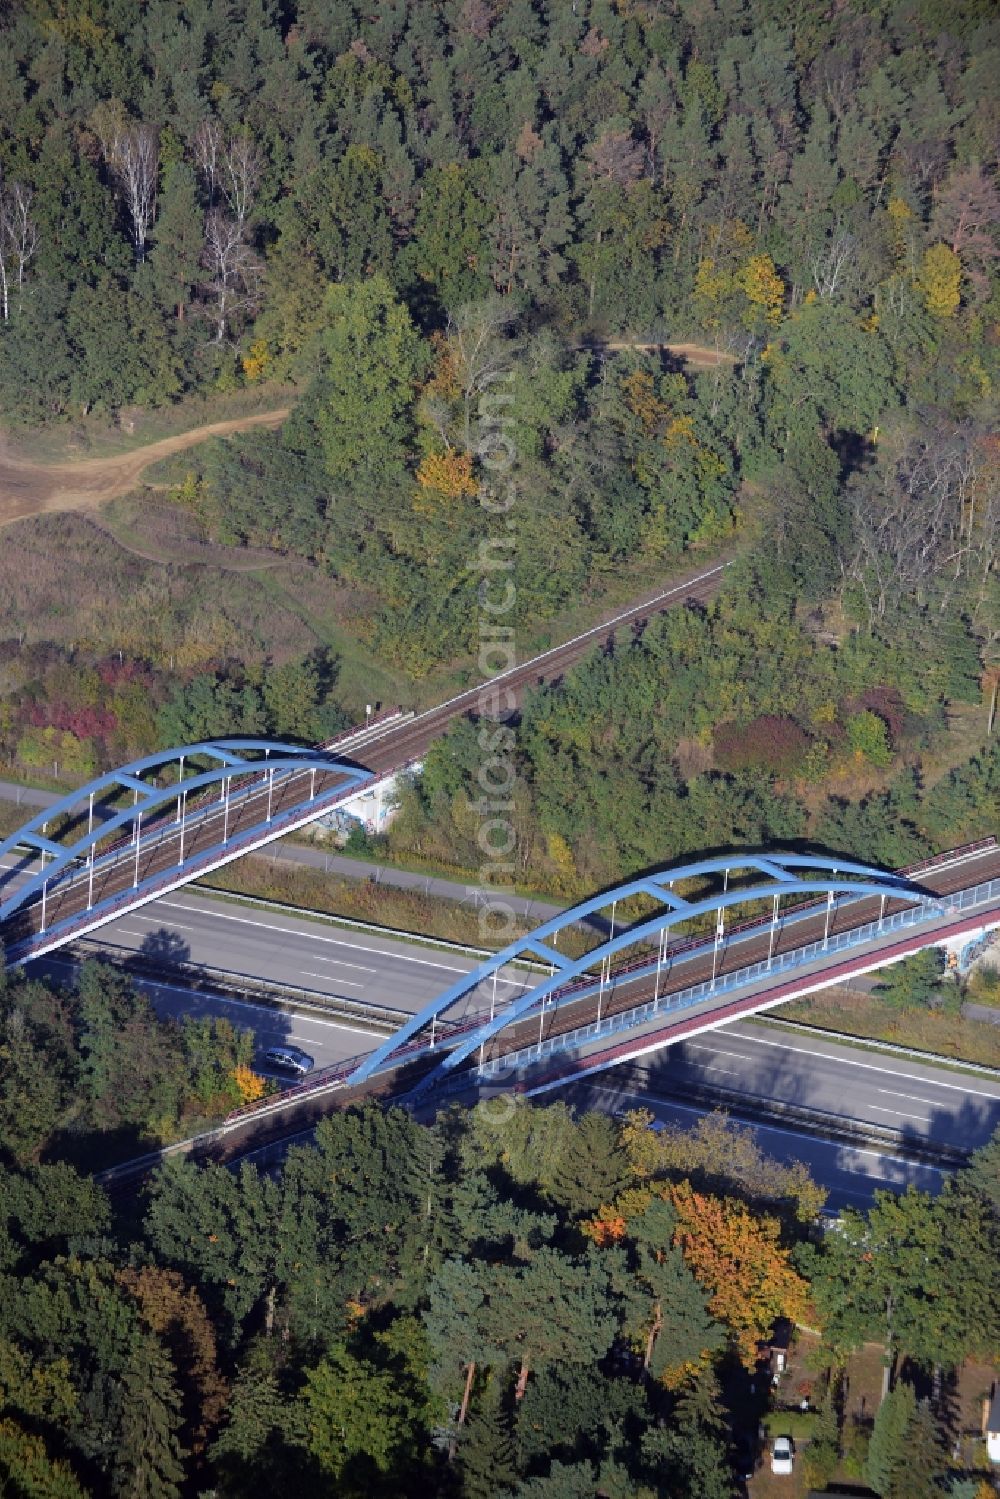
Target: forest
<point>440,231</point>
<point>514,1301</point>
<point>389,214</point>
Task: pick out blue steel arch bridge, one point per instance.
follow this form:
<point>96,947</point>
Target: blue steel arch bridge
<point>157,823</point>
<point>686,947</point>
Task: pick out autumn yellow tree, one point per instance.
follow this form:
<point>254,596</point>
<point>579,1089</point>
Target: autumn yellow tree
<point>940,280</point>
<point>249,1084</point>
<point>449,474</point>
<point>256,361</point>
<point>763,289</point>
<point>738,1259</point>
<point>175,1311</point>
<point>643,402</point>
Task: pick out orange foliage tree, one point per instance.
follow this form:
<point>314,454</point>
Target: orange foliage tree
<point>249,1084</point>
<point>737,1257</point>
<point>174,1310</point>
<point>449,474</point>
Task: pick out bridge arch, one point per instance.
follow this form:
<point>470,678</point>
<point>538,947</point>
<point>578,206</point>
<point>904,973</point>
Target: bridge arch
<point>264,772</point>
<point>782,875</point>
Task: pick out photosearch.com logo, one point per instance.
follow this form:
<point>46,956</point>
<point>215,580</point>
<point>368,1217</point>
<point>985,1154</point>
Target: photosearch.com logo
<point>496,776</point>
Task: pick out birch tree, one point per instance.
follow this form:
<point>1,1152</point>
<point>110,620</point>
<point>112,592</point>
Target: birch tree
<point>133,155</point>
<point>18,239</point>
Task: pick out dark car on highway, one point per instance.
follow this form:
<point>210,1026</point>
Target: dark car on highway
<point>289,1059</point>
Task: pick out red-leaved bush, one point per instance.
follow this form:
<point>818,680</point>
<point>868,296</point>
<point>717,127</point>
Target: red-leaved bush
<point>766,743</point>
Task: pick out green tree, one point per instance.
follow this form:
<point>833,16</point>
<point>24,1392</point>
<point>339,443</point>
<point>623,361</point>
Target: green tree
<point>888,1460</point>
<point>486,1455</point>
<point>149,1457</point>
<point>693,1446</point>
<point>363,404</point>
<point>28,1471</point>
<point>868,737</point>
<point>826,373</point>
<point>914,982</point>
<point>177,239</point>
<point>360,1427</point>
<point>591,1166</point>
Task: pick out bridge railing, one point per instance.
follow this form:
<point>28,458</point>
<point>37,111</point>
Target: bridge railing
<point>336,1075</point>
<point>163,882</point>
<point>758,923</point>
<point>697,993</point>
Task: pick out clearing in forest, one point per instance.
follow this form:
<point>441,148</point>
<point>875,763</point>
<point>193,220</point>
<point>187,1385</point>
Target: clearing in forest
<point>30,488</point>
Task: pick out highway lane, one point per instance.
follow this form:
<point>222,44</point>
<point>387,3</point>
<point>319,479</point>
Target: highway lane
<point>851,1174</point>
<point>767,1063</point>
<point>806,926</point>
<point>756,1060</point>
<point>193,926</point>
<point>326,1040</point>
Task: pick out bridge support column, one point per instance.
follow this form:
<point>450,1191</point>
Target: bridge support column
<point>661,958</point>
<point>90,877</point>
<point>180,847</point>
<point>826,923</point>
<point>493,1008</point>
<point>720,937</point>
<point>774,930</point>
<point>138,838</point>
<point>606,964</point>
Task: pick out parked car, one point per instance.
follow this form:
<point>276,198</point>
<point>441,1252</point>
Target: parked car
<point>289,1059</point>
<point>782,1455</point>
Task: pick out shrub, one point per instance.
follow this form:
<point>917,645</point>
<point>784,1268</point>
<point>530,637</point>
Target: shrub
<point>769,742</point>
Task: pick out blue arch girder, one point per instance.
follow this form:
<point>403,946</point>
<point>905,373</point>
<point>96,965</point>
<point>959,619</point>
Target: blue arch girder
<point>236,759</point>
<point>836,878</point>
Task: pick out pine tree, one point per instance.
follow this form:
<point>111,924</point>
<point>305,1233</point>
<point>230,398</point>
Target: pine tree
<point>177,238</point>
<point>486,1452</point>
<point>888,1458</point>
<point>920,1476</point>
<point>149,1460</point>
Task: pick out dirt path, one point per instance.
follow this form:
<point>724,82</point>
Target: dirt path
<point>697,355</point>
<point>28,488</point>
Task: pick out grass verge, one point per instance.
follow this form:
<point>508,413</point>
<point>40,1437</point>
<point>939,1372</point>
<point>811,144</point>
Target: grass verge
<point>866,1015</point>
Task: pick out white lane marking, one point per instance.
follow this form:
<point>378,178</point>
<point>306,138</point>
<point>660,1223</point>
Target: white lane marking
<point>730,1071</point>
<point>286,931</point>
<point>343,963</point>
<point>243,1004</point>
<point>911,1077</point>
<point>897,1113</point>
<point>158,921</point>
<point>334,978</point>
<point>931,1103</point>
<point>776,1129</point>
<point>716,1050</point>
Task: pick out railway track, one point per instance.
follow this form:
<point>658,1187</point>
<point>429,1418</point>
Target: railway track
<point>285,804</point>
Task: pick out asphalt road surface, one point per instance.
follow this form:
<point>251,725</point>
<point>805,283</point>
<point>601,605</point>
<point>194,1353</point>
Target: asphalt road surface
<point>319,956</point>
<point>757,1061</point>
<point>850,1174</point>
